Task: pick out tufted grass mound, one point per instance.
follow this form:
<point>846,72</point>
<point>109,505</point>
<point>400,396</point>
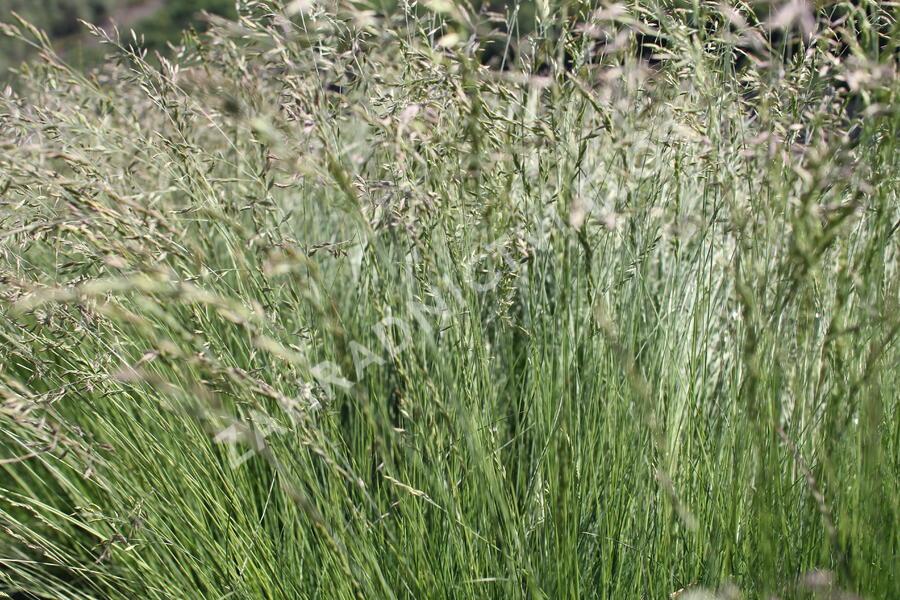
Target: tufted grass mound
<point>323,307</point>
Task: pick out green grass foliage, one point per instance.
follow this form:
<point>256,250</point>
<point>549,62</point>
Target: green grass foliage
<point>322,307</point>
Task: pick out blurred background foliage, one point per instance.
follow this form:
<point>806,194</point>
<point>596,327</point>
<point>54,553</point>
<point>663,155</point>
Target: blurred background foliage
<point>158,21</point>
<point>498,23</point>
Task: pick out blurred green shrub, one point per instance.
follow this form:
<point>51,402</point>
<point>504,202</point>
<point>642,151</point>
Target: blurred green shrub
<point>167,24</point>
<point>60,19</point>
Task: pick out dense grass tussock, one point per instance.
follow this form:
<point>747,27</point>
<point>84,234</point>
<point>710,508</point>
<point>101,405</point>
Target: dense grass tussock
<point>325,308</point>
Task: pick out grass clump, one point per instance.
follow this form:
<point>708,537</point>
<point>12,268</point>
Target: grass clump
<point>325,308</point>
